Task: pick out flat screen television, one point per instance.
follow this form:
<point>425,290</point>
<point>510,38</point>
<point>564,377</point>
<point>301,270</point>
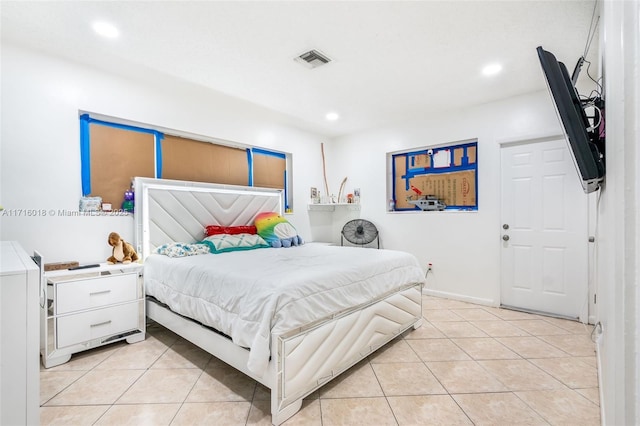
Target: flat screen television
<point>585,141</point>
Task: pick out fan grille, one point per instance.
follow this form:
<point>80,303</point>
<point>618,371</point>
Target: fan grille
<point>360,232</point>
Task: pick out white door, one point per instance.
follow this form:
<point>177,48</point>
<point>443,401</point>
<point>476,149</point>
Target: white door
<point>543,230</point>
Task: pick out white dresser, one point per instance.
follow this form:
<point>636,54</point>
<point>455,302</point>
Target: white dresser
<point>19,331</point>
<point>87,308</point>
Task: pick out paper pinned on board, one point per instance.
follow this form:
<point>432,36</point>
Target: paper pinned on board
<point>442,158</point>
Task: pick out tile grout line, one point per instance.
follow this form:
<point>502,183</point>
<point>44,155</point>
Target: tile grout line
<point>580,360</point>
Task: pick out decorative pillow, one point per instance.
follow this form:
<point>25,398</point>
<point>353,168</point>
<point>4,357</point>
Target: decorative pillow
<point>182,249</point>
<point>276,230</point>
<point>232,230</point>
<point>225,242</point>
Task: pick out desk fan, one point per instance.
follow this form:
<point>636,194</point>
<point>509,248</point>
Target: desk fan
<point>360,232</point>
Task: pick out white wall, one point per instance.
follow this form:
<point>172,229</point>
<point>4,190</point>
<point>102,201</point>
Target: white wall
<point>618,248</point>
<point>40,151</point>
<point>464,247</point>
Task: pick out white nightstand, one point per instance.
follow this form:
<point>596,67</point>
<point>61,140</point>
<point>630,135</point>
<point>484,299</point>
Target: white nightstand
<point>91,307</point>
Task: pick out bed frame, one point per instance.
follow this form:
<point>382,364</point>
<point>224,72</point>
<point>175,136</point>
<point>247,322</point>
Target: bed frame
<point>302,360</point>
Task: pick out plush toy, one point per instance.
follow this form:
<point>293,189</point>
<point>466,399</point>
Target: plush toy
<point>122,250</point>
<point>276,230</point>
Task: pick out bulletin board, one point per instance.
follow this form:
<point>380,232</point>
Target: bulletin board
<point>449,173</point>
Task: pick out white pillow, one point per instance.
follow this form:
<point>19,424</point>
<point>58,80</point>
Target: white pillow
<point>182,249</point>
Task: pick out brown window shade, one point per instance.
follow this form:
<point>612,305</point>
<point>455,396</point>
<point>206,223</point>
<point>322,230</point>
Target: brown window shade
<point>188,159</point>
<point>268,171</point>
<point>117,156</point>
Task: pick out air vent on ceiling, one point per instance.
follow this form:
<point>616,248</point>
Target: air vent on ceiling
<point>312,59</point>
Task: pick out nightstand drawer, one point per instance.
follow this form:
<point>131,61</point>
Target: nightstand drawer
<point>95,292</point>
<point>86,326</point>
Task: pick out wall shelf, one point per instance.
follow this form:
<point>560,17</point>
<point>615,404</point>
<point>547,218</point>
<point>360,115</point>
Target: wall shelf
<point>333,206</point>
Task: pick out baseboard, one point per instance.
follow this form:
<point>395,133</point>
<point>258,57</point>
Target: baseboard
<point>541,313</point>
<point>460,297</point>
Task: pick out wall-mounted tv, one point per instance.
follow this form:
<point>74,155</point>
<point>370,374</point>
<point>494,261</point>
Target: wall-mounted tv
<point>585,140</point>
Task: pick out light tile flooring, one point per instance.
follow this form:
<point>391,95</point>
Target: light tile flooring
<point>467,364</point>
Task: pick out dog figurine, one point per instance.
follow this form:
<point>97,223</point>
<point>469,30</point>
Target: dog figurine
<point>122,250</point>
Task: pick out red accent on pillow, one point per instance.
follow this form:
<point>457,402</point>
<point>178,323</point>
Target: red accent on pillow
<point>233,230</point>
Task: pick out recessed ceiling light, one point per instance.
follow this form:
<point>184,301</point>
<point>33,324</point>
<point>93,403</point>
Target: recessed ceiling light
<point>492,69</point>
<point>332,116</point>
<point>105,29</point>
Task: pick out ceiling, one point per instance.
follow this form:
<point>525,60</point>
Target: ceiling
<point>392,60</point>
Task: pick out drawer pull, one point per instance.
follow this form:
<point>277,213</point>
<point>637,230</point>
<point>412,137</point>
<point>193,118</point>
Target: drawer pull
<point>101,323</point>
<point>99,292</point>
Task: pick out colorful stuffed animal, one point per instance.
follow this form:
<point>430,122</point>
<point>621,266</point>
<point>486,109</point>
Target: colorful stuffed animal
<point>276,230</point>
<point>122,251</point>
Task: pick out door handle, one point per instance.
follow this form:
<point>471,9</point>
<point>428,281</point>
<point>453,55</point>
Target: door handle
<point>505,237</point>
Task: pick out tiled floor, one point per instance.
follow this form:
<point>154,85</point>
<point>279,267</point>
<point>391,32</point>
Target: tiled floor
<point>468,364</point>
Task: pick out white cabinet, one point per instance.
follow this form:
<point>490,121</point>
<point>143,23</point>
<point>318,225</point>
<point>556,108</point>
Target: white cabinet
<point>91,307</point>
<point>19,329</point>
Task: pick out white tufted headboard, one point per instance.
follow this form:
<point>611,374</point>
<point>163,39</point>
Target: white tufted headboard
<point>177,211</point>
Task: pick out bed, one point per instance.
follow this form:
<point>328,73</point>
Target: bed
<point>291,318</point>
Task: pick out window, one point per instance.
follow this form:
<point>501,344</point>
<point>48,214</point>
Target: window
<point>113,154</point>
<point>431,178</point>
